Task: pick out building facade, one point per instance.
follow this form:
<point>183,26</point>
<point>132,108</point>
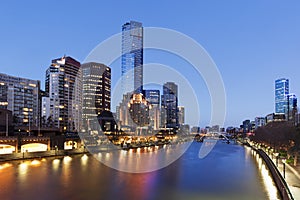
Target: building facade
<point>247,126</point>
<point>6,125</point>
<point>169,106</point>
<point>292,107</point>
<point>22,97</point>
<point>181,115</point>
<point>259,122</point>
<point>132,57</point>
<point>281,93</point>
<point>122,112</point>
<point>63,90</point>
<point>96,92</point>
<point>153,97</point>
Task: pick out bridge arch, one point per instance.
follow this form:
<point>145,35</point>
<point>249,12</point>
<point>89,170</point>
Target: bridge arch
<point>34,147</point>
<point>71,144</point>
<point>7,149</point>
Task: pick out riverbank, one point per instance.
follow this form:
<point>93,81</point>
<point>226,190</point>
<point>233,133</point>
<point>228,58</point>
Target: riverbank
<point>276,175</point>
<point>53,153</point>
<point>44,154</point>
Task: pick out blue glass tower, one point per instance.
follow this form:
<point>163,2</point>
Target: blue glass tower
<point>281,95</point>
<point>132,57</point>
<point>292,106</point>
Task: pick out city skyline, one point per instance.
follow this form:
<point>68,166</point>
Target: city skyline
<point>251,51</point>
<point>150,99</point>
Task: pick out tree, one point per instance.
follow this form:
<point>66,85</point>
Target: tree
<point>294,149</point>
<point>280,135</point>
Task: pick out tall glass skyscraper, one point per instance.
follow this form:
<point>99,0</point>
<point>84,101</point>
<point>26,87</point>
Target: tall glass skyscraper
<point>132,57</point>
<point>169,106</point>
<point>292,106</point>
<point>281,95</point>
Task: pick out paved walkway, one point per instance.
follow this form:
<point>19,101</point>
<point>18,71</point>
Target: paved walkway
<point>292,176</point>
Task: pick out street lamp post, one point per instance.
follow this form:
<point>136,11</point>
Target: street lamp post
<point>276,156</point>
<point>283,162</point>
<point>56,150</point>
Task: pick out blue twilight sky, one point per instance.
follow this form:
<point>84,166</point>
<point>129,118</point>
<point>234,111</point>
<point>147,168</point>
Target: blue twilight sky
<point>252,42</point>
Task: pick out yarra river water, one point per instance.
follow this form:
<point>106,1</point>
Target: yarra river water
<point>229,171</point>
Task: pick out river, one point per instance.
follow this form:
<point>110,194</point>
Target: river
<point>229,171</point>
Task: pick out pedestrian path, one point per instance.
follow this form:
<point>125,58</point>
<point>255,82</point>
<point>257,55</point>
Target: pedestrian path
<point>291,174</point>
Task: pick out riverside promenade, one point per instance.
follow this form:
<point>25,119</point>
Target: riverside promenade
<point>291,174</point>
<point>43,154</point>
<point>286,176</point>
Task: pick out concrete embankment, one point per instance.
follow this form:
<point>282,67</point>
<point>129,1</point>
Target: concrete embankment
<point>32,155</point>
<point>277,177</point>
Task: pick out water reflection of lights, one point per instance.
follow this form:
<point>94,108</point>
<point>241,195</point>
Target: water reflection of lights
<point>35,162</point>
<point>266,177</point>
<point>55,164</point>
<point>5,165</point>
<point>67,159</point>
<point>84,159</point>
<point>23,167</point>
<point>107,155</point>
<point>268,182</point>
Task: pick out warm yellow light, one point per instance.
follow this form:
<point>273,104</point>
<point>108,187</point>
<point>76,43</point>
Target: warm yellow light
<point>32,85</point>
<point>34,147</point>
<point>5,165</point>
<point>84,159</point>
<point>35,162</point>
<point>67,159</point>
<point>6,149</point>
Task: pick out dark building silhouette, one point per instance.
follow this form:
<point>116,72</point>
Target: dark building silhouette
<point>169,106</point>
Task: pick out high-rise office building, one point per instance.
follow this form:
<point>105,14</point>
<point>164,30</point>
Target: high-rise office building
<point>181,115</point>
<point>247,126</point>
<point>292,106</point>
<point>22,97</point>
<point>122,111</point>
<point>259,122</point>
<point>132,57</point>
<point>139,110</point>
<point>64,94</point>
<point>153,97</point>
<point>281,93</point>
<point>96,92</point>
<point>169,106</point>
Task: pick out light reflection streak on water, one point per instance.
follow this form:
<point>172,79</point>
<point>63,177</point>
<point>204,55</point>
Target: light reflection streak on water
<point>84,160</point>
<point>5,165</point>
<point>66,170</point>
<point>35,163</point>
<point>269,185</point>
<point>67,159</point>
<point>55,164</point>
<point>23,169</point>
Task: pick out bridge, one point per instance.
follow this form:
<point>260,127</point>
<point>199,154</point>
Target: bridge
<point>34,144</point>
<point>10,145</point>
<point>213,135</point>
